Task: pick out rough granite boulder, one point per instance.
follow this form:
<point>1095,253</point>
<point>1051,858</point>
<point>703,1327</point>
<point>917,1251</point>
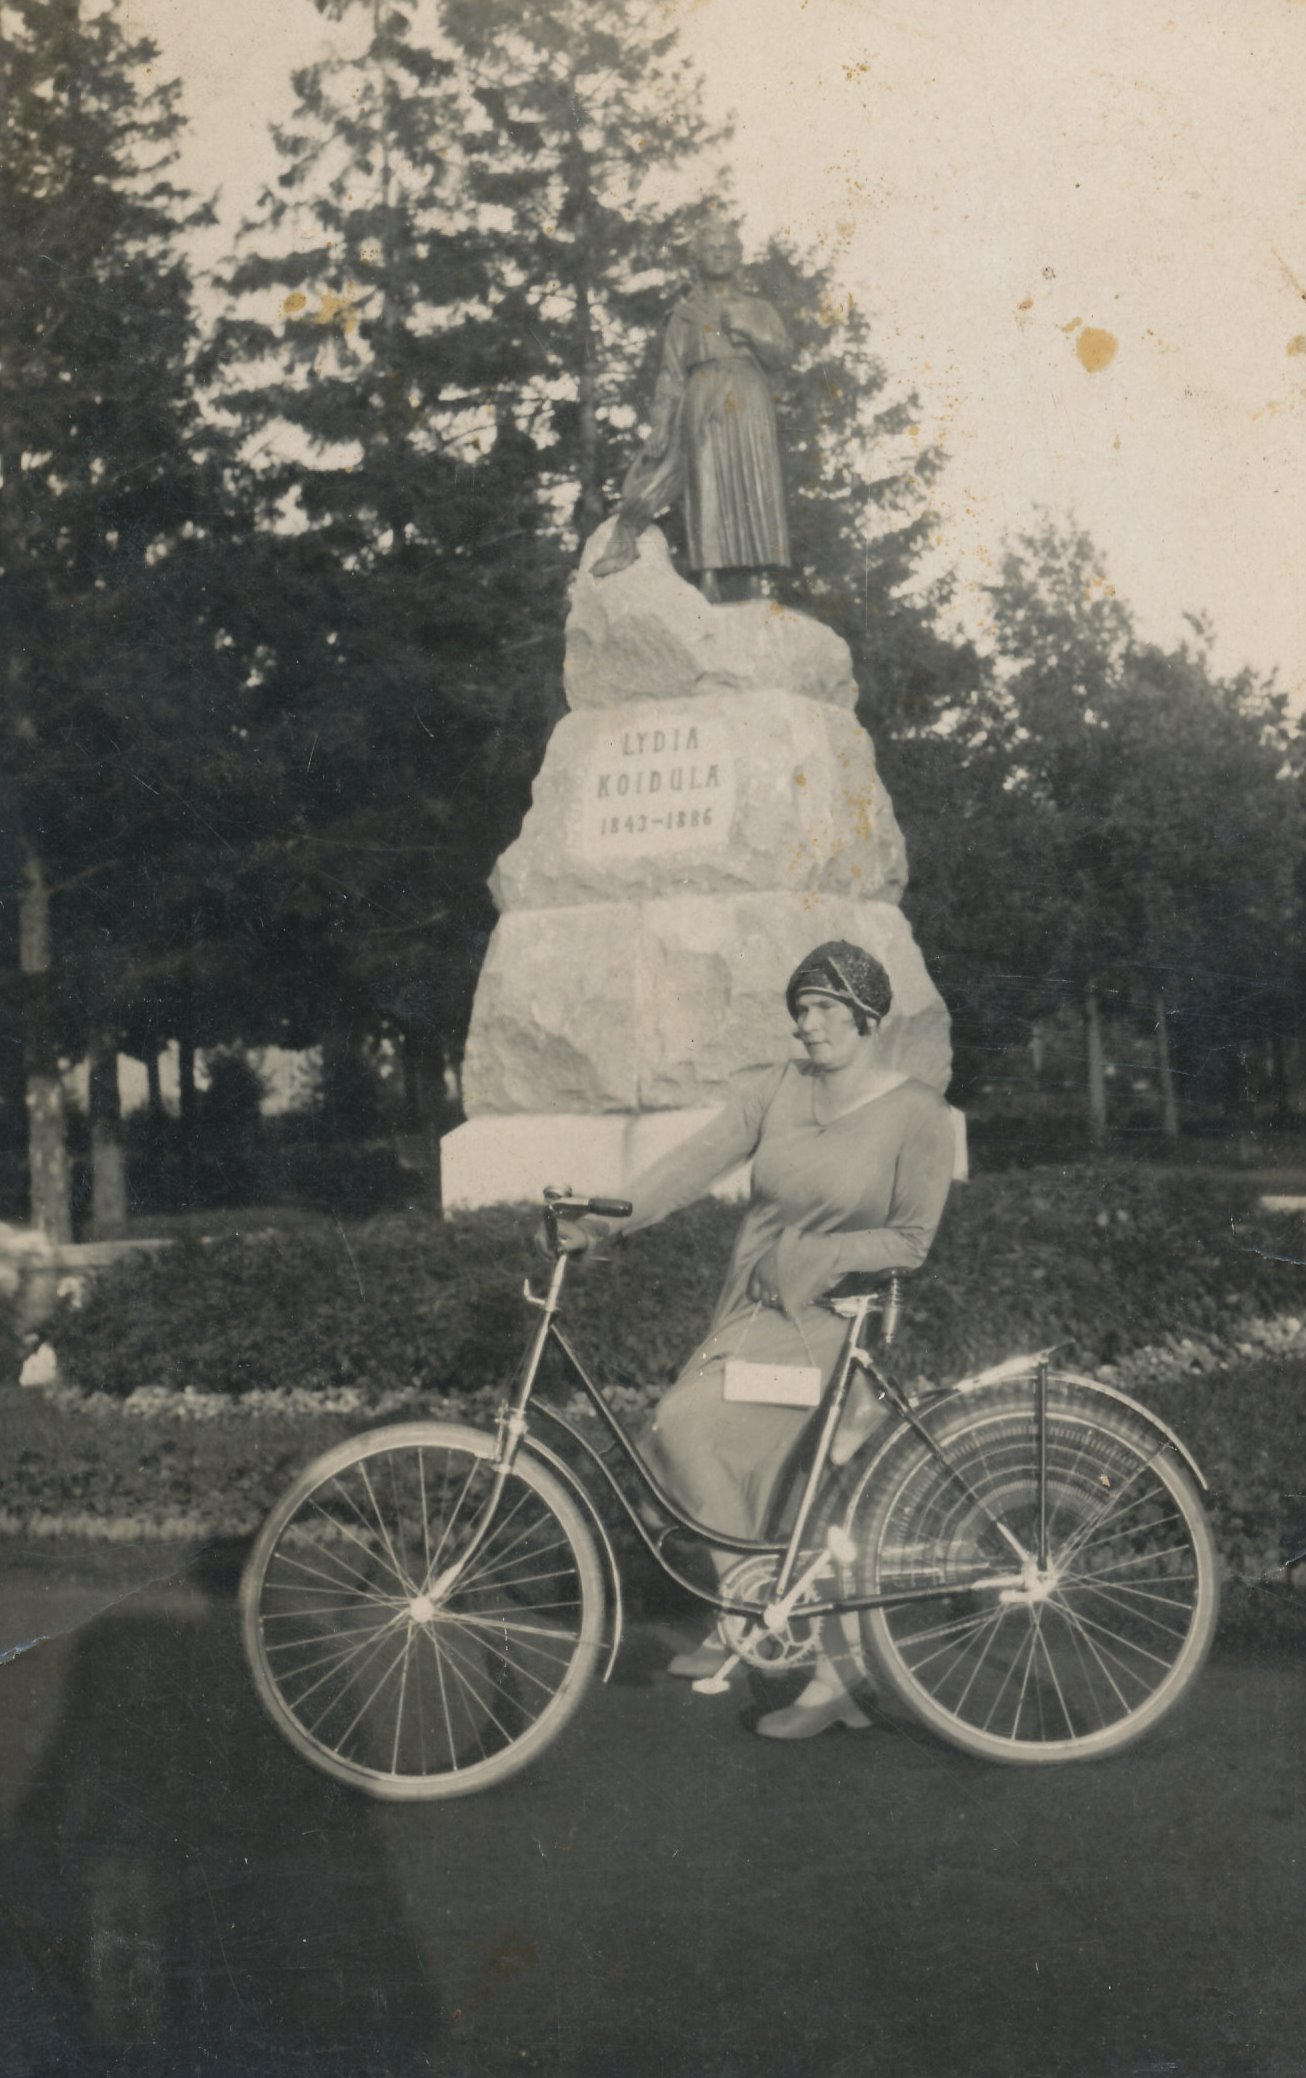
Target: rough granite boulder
<point>722,794</point>
<point>647,635</point>
<point>654,1006</point>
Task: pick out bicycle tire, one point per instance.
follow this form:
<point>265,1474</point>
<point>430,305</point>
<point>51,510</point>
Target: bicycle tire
<point>1079,1665</point>
<point>376,1683</point>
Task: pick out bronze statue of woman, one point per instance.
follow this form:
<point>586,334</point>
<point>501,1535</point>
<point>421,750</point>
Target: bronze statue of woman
<point>712,437</point>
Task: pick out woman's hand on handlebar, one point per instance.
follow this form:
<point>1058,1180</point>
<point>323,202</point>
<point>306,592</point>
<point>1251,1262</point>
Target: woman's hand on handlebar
<point>579,1237</point>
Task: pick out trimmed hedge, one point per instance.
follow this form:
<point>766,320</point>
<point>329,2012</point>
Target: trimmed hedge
<point>1107,1263</point>
<point>1101,1261</point>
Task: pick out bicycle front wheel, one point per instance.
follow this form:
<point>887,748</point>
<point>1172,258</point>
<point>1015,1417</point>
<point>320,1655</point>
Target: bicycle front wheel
<point>1082,1647</point>
<point>381,1660</point>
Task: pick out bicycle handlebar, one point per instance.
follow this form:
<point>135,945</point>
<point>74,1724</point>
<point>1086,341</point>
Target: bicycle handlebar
<point>564,1204</point>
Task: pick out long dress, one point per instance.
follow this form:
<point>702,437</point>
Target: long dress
<point>713,403</point>
<point>864,1192</point>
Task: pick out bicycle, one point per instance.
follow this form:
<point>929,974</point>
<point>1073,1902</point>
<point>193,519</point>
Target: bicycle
<point>1023,1558</point>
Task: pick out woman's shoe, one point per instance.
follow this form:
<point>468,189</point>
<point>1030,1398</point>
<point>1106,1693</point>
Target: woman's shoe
<point>699,1664</point>
<point>803,1720</point>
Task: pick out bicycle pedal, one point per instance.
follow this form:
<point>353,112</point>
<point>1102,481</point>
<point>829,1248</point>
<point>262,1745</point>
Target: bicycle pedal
<point>716,1684</point>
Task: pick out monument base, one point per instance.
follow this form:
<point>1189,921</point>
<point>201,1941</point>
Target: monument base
<point>508,1159</point>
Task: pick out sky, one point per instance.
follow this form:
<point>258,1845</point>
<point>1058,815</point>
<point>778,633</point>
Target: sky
<point>1079,233</point>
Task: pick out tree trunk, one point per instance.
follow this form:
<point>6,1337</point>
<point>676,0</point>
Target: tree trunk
<point>589,511</point>
<point>49,1176</point>
<point>589,503</point>
<point>1279,1077</point>
<point>186,1101</point>
<point>108,1155</point>
<point>1169,1106</point>
<point>187,1109</point>
<point>1096,1069</point>
<point>415,1104</point>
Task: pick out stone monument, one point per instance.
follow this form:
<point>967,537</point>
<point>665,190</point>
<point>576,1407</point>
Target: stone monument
<point>708,811</point>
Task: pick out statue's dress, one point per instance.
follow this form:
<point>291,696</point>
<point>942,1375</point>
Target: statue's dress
<point>865,1192</point>
<point>714,402</point>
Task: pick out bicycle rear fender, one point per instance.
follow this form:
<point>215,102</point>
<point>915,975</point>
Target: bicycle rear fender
<point>1022,1366</point>
<point>581,1495</point>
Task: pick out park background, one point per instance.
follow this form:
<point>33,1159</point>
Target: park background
<point>328,340</point>
<point>287,522</point>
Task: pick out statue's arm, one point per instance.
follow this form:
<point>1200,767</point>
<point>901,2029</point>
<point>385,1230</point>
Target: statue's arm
<point>761,328</point>
<point>668,390</point>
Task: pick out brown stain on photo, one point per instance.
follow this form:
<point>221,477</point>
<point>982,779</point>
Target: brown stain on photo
<point>1096,349</point>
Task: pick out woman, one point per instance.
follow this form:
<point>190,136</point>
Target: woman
<point>851,1166</point>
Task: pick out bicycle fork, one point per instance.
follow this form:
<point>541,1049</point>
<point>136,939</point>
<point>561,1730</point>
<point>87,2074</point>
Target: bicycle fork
<point>510,1429</point>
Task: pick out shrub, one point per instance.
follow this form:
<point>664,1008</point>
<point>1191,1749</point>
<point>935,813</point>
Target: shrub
<point>1103,1263</point>
<point>1098,1262</point>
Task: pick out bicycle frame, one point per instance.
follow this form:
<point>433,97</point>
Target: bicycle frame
<point>514,1431</point>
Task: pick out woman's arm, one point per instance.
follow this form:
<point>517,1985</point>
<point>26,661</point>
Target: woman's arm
<point>752,321</point>
<point>690,1170</point>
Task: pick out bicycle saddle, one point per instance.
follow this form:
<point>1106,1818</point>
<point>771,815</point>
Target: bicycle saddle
<point>861,1284</point>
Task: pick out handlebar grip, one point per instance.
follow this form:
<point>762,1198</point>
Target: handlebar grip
<point>611,1208</point>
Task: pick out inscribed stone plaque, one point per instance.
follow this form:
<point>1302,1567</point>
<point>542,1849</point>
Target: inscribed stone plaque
<point>663,787</point>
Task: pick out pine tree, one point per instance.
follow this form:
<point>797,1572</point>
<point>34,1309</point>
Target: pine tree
<point>109,483</point>
<point>586,122</point>
<point>408,612</point>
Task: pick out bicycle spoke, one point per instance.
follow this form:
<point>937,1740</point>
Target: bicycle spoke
<point>1116,1596</point>
<point>426,1518</point>
<point>1052,1674</point>
<point>502,1553</point>
<point>1002,1685</point>
<point>317,1611</point>
<point>1079,1537</point>
<point>1119,1638</point>
<point>447,1531</point>
<point>380,1523</point>
<point>366,1585</point>
<point>502,1653</point>
<point>456,1665</point>
<point>403,1693</point>
<point>519,1629</point>
<point>368,1701</point>
<point>364,1662</point>
<point>333,1662</point>
<point>947,1631</point>
<point>317,1638</point>
<point>343,1529</point>
<point>1071,1616</point>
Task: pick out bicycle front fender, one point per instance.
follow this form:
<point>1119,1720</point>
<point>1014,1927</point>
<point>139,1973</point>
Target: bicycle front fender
<point>581,1494</point>
<point>1022,1366</point>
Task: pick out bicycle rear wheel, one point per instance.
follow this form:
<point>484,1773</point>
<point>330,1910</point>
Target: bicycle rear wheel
<point>1068,1661</point>
<point>375,1669</point>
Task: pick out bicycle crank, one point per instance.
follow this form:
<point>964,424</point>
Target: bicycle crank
<point>778,1635</point>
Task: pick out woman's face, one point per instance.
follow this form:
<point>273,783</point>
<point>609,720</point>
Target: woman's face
<point>827,1029</point>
